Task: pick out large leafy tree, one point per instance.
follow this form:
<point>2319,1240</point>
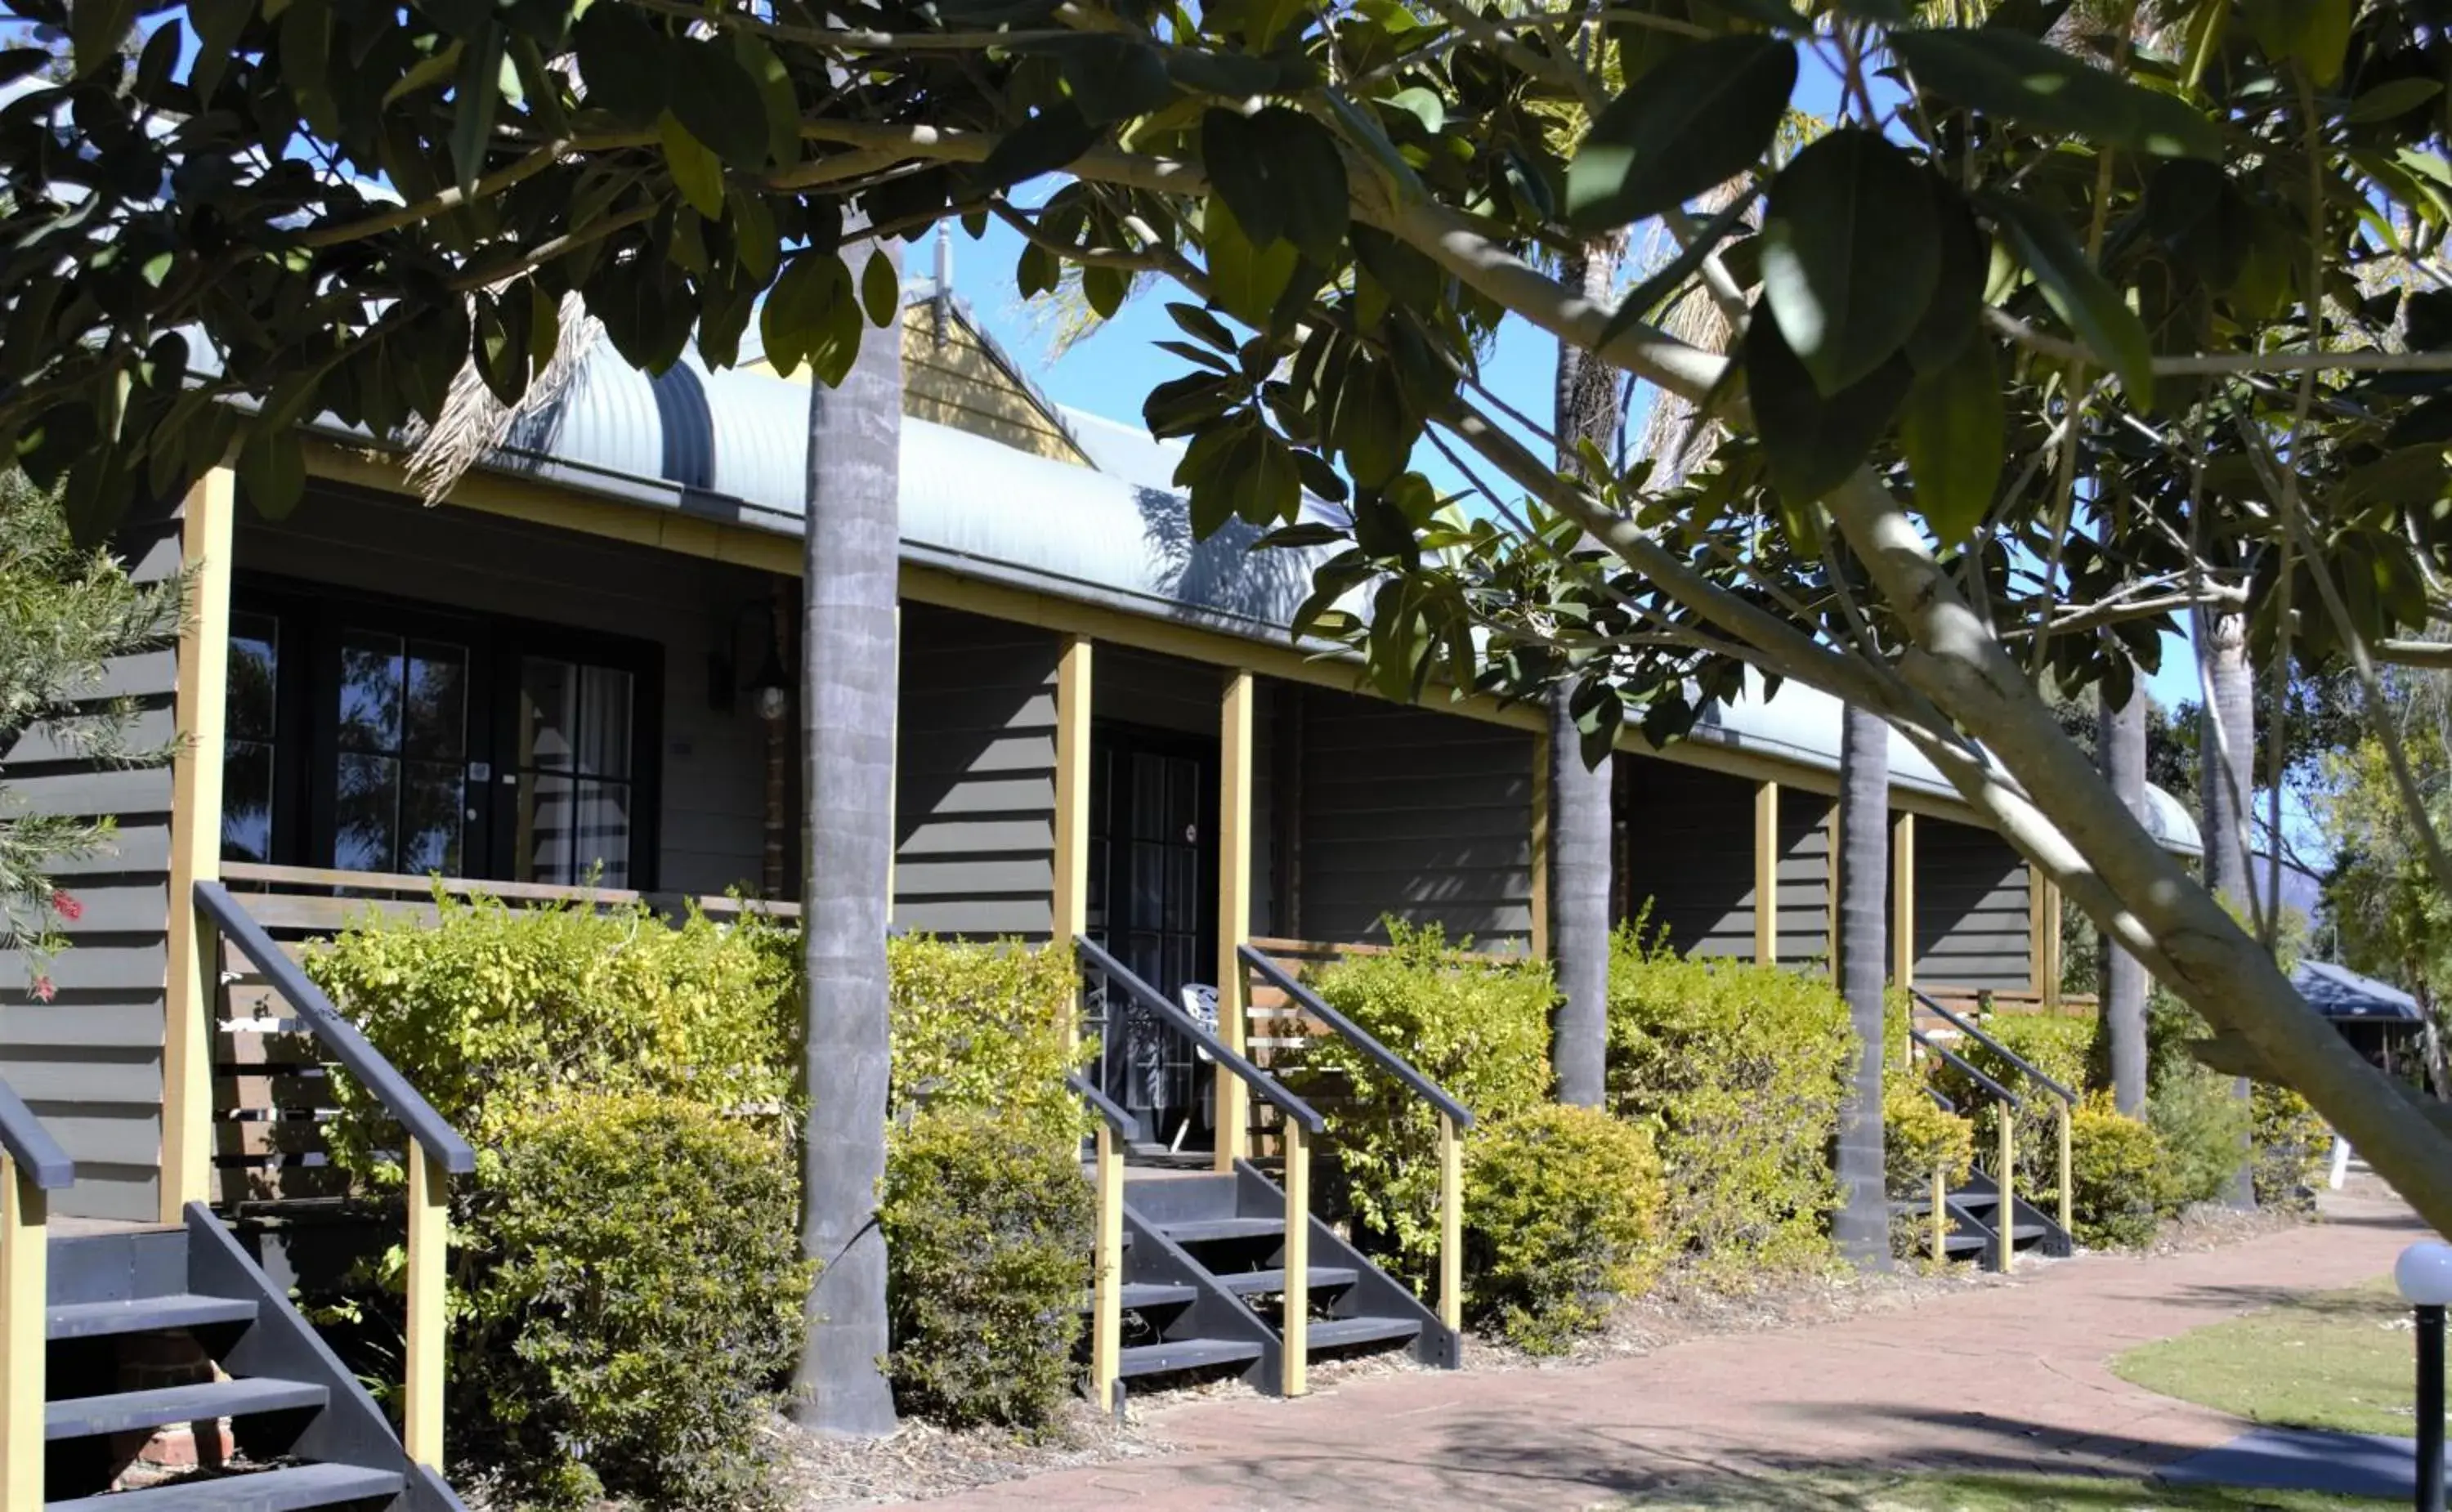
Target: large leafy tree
<point>2039,347</point>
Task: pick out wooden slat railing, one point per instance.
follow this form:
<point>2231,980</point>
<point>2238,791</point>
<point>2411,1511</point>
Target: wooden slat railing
<point>433,1153</point>
<point>2064,1100</point>
<point>2005,1216</point>
<point>32,1166</point>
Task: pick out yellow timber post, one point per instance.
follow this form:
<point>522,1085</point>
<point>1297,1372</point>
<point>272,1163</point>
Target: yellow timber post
<point>2068,1195</point>
<point>1541,846</point>
<point>1296,1334</point>
<point>428,1312</point>
<point>1107,1287</point>
<point>1451,1223</point>
<point>1235,761</point>
<point>23,1255</point>
<point>2005,1217</point>
<point>192,985</point>
<point>1767,874</point>
<point>1073,672</point>
<point>2044,940</point>
<point>1940,1218</point>
<point>1902,899</point>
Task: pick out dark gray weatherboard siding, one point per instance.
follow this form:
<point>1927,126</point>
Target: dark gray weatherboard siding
<point>1690,850</point>
<point>1805,822</point>
<point>90,1061</point>
<point>1419,814</point>
<point>975,777</point>
<point>1972,918</point>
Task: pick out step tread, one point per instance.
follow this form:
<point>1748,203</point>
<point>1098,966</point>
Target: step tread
<point>95,1320</point>
<point>1329,1334</point>
<point>86,1416</point>
<point>286,1490</point>
<point>1966,1244</point>
<point>1184,1354</point>
<point>1201,1230</point>
<point>1262,1283</point>
<point>1159,1294</point>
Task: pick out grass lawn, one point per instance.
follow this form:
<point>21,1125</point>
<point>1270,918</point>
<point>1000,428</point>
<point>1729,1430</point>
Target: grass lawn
<point>1977,1493</point>
<point>2340,1360</point>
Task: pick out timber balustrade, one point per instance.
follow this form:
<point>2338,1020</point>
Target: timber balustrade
<point>1107,1283</point>
<point>433,1153</point>
<point>2064,1100</point>
<point>1454,1118</point>
<point>1302,1125</point>
<point>32,1166</point>
<point>2003,1217</point>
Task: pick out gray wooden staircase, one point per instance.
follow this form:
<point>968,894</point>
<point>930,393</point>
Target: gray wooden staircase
<point>307,1432</point>
<point>1972,1224</point>
<point>1205,1288</point>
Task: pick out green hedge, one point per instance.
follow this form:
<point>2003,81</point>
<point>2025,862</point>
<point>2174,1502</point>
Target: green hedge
<point>988,1222</point>
<point>1480,1029</point>
<point>2116,1196</point>
<point>1563,1211</point>
<point>1740,1069</point>
<point>2196,1111</point>
<point>988,1232</point>
<point>2293,1147</point>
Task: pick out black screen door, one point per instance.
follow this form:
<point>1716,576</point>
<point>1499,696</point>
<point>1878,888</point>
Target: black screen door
<point>1154,864</point>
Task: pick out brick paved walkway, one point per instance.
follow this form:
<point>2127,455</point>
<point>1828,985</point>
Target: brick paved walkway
<point>2010,1377</point>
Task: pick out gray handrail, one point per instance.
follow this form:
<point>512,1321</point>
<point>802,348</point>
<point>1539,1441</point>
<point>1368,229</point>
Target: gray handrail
<point>2020,1062</point>
<point>381,1080</point>
<point>1955,1059</point>
<point>31,1146</point>
<point>1102,1104</point>
<point>1182,1023</point>
<point>1389,1061</point>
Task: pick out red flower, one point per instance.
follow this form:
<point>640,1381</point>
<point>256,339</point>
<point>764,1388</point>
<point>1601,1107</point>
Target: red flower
<point>65,906</point>
<point>43,990</point>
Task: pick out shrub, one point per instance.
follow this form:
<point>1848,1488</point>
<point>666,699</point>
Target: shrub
<point>492,1010</point>
<point>1562,1208</point>
<point>984,1025</point>
<point>2116,1162</point>
<point>640,1300</point>
<point>988,1227</point>
<point>1480,1029</point>
<point>2195,1110</point>
<point>2293,1144</point>
<point>1919,1135</point>
<point>1741,1069</point>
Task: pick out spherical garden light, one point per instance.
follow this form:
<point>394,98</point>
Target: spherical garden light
<point>2424,1273</point>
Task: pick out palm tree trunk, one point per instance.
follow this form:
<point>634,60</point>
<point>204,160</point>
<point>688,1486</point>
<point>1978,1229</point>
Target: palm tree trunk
<point>2226,779</point>
<point>1863,1223</point>
<point>847,713</point>
<point>1580,795</point>
<point>2122,751</point>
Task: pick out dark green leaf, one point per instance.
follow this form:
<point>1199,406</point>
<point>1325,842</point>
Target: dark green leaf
<point>2428,422</point>
<point>1364,127</point>
<point>1282,174</point>
<point>15,62</point>
<point>1232,152</point>
<point>715,97</point>
<point>622,58</point>
<point>95,28</point>
<point>217,25</point>
<point>1264,19</point>
<point>431,73</point>
<point>2079,294</point>
<point>1951,430</point>
<point>754,242</point>
<point>1957,305</point>
<point>1319,477</point>
<point>1997,72</point>
<point>305,38</point>
<point>1239,470</point>
<point>1423,106</point>
<point>1202,326</point>
<point>2391,98</point>
<point>1849,257</point>
<point>776,96</point>
<point>798,305</point>
<point>1372,428</point>
<point>1814,443</point>
<point>696,171</point>
<point>1232,75</point>
<point>2316,33</point>
<point>1181,406</point>
<point>1301,534</point>
<point>1113,77</point>
<point>1044,143</point>
<point>1677,133</point>
<point>476,92</point>
<point>880,289</point>
<point>1105,290</point>
<point>1249,280</point>
<point>272,470</point>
